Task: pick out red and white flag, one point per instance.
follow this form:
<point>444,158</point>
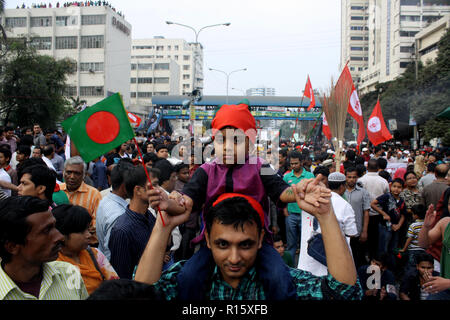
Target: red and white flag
<point>309,93</point>
<point>354,107</point>
<point>135,121</point>
<point>376,128</point>
<point>325,128</point>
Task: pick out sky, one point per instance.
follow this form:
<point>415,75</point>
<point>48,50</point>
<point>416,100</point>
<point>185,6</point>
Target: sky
<point>279,42</point>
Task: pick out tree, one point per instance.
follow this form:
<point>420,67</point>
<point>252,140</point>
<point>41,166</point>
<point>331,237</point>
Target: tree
<point>32,86</point>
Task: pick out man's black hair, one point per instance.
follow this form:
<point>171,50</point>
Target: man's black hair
<point>23,149</point>
<point>283,152</point>
<point>135,177</point>
<point>408,173</point>
<point>234,211</point>
<point>166,169</point>
<point>360,170</point>
<point>350,155</point>
<point>119,172</point>
<point>71,219</point>
<point>150,157</point>
<point>385,175</point>
<point>125,289</point>
<point>382,163</point>
<point>377,149</point>
<point>42,176</point>
<point>372,165</point>
<point>351,169</point>
<point>297,155</point>
<point>180,166</point>
<point>48,150</point>
<point>13,225</point>
<point>28,163</point>
<point>321,170</point>
<point>27,140</point>
<point>161,146</point>
<point>359,160</point>
<point>419,210</point>
<point>6,153</point>
<point>431,167</point>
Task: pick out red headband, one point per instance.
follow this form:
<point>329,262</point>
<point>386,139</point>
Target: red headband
<point>255,204</point>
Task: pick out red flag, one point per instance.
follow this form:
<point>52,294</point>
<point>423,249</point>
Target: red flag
<point>325,128</point>
<point>135,121</point>
<point>354,107</point>
<point>309,93</point>
<point>376,128</point>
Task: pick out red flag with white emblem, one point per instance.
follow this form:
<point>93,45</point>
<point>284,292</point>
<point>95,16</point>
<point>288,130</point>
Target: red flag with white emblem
<point>325,128</point>
<point>309,93</point>
<point>135,121</point>
<point>376,128</point>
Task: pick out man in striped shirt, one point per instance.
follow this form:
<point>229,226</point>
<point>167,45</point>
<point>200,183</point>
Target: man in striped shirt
<point>29,246</point>
<point>79,193</point>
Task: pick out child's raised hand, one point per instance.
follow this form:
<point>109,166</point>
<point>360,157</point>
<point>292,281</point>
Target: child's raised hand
<point>430,217</point>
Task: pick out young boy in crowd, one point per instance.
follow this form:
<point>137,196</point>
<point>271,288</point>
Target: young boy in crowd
<point>411,287</point>
<point>235,171</point>
<point>393,210</point>
<point>182,170</point>
<point>286,255</point>
<point>411,246</point>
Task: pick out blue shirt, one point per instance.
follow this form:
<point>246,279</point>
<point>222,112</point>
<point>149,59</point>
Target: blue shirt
<point>128,239</point>
<point>99,175</point>
<point>109,209</point>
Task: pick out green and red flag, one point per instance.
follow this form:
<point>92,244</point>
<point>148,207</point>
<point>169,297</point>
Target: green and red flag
<point>99,128</point>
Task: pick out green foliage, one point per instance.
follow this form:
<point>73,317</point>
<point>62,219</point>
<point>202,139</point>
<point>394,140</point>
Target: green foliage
<point>438,128</point>
<point>32,87</point>
<point>285,129</point>
<point>423,97</point>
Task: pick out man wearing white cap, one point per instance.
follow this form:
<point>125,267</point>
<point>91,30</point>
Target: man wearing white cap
<point>345,217</point>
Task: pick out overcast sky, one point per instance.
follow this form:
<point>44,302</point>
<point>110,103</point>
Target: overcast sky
<point>279,42</point>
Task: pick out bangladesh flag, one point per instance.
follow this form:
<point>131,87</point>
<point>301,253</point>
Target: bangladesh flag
<point>100,128</point>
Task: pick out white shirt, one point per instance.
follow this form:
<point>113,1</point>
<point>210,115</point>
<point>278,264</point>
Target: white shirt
<point>4,176</point>
<point>346,219</point>
<point>49,163</point>
<point>375,185</point>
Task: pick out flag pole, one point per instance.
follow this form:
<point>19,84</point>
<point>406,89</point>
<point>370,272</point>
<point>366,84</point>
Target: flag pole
<point>148,176</point>
<point>298,111</point>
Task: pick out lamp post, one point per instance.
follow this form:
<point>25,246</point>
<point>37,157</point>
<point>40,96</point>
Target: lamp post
<point>194,82</point>
<point>228,75</point>
<point>237,89</point>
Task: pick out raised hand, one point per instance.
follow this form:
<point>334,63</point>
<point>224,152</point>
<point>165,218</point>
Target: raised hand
<point>157,198</point>
<point>430,217</point>
<point>316,200</point>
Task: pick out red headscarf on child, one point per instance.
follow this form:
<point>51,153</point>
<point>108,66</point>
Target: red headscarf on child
<point>237,116</point>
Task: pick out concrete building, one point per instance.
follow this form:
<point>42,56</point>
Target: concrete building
<point>354,36</point>
<point>261,91</point>
<point>393,25</point>
<point>427,40</point>
<point>96,37</point>
<point>162,66</point>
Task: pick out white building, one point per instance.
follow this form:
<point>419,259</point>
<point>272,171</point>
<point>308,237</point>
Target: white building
<point>162,66</point>
<point>427,40</point>
<point>261,91</point>
<point>354,36</point>
<point>392,26</point>
<point>96,37</point>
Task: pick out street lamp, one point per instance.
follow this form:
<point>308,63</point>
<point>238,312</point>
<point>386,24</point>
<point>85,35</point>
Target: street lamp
<point>194,83</point>
<point>237,89</point>
<point>228,75</point>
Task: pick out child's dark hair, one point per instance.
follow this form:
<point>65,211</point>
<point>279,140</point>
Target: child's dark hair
<point>234,211</point>
<point>398,180</point>
<point>276,238</point>
<point>125,289</point>
<point>423,256</point>
<point>181,166</point>
<point>419,210</point>
<point>71,219</point>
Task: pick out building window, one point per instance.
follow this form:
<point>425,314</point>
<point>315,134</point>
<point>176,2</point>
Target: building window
<point>162,80</point>
<point>410,18</point>
<point>359,28</point>
<point>407,49</point>
<point>408,33</point>
<point>65,21</point>
<point>186,76</point>
<point>16,22</point>
<point>356,48</point>
<point>404,65</point>
<point>159,57</point>
<point>133,66</point>
<point>70,91</point>
<point>169,48</point>
<point>41,21</point>
<point>161,66</point>
<point>356,18</point>
<point>176,48</point>
<point>360,68</point>
<point>159,48</point>
<point>357,38</point>
<point>91,67</point>
<point>186,67</point>
<point>44,43</point>
<point>133,80</point>
<point>352,68</point>
<point>186,58</point>
<point>144,66</point>
<point>357,8</point>
<point>93,19</point>
<point>175,57</point>
<point>145,80</point>
<point>410,2</point>
<point>161,93</point>
<point>66,42</point>
<point>186,86</point>
<point>356,58</point>
<point>91,91</point>
<point>132,94</point>
<point>144,94</point>
<point>143,47</point>
<point>91,42</point>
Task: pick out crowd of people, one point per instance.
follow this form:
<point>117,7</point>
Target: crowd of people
<point>173,225</point>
